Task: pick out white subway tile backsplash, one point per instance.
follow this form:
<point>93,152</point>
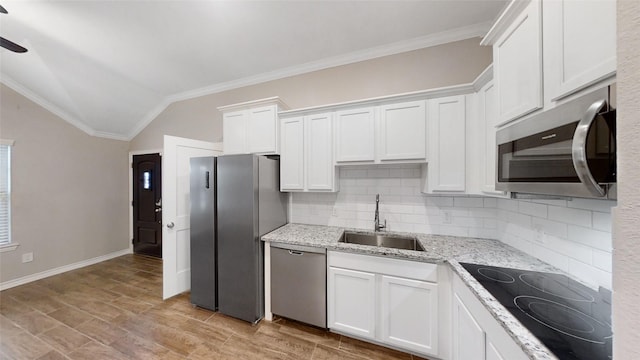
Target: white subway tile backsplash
<point>490,202</point>
<point>454,230</point>
<point>570,249</point>
<point>552,257</point>
<point>507,204</point>
<point>468,202</point>
<point>602,221</point>
<point>589,274</point>
<point>602,260</point>
<point>533,209</point>
<point>570,215</point>
<point>550,227</point>
<point>573,235</point>
<point>591,204</point>
<point>594,238</point>
<point>483,233</point>
<point>440,201</point>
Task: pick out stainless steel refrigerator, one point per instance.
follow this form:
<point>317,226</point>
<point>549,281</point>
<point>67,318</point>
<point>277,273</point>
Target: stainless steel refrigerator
<point>227,256</point>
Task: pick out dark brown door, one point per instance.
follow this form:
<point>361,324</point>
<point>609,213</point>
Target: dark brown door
<point>147,205</point>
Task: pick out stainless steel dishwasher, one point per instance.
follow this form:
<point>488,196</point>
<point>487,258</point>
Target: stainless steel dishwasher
<point>299,283</point>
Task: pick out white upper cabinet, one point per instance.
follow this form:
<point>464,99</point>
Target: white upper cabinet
<point>402,131</point>
<point>234,133</point>
<point>252,127</point>
<point>355,131</point>
<point>447,145</point>
<point>319,152</point>
<point>579,44</point>
<point>292,154</point>
<point>487,124</point>
<point>517,56</point>
<point>262,134</point>
<point>306,156</point>
<point>548,52</point>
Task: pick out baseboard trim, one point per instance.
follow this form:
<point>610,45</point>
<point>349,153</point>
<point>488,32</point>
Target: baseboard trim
<point>59,270</point>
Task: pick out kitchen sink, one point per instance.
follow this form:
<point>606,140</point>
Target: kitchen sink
<point>382,240</point>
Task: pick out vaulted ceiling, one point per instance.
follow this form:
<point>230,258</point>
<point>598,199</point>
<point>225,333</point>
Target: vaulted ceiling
<point>110,67</point>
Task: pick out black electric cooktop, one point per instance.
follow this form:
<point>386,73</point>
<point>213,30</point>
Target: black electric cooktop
<point>572,320</point>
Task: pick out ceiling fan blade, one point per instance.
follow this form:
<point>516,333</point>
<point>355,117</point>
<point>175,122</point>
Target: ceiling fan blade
<point>10,45</point>
<point>3,10</point>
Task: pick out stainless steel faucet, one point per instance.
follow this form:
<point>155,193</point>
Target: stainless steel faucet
<point>377,226</point>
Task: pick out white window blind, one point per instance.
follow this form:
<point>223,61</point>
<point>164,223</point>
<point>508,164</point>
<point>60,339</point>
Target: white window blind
<point>5,192</point>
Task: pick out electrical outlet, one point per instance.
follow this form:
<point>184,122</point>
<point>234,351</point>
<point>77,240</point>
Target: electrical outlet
<point>27,257</point>
<point>334,212</point>
<point>447,217</point>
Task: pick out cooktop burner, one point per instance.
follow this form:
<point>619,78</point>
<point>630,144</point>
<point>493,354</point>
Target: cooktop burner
<point>572,320</point>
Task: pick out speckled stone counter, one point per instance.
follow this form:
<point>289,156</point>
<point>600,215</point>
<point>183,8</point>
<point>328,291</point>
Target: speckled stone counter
<point>450,250</point>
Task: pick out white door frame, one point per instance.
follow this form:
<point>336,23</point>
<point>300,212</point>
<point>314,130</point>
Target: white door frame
<point>131,153</point>
<point>169,184</point>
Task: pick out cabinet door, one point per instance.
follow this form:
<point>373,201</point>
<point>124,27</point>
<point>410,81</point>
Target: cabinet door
<point>579,44</point>
<point>492,351</point>
<point>447,149</point>
<point>517,58</point>
<point>234,132</point>
<point>355,135</point>
<point>402,134</point>
<point>292,154</point>
<point>409,314</point>
<point>351,302</point>
<point>262,134</point>
<point>468,336</point>
<point>487,119</point>
<point>319,152</point>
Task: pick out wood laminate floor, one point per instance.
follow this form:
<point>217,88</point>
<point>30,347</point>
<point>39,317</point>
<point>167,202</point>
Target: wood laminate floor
<point>114,310</point>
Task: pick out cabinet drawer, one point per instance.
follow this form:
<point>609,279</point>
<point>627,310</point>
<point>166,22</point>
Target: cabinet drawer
<point>381,265</point>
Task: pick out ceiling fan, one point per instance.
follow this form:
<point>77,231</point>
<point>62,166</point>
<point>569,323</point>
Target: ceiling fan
<point>7,44</point>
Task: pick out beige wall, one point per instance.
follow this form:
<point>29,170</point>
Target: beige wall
<point>69,190</point>
<point>443,65</point>
<point>626,232</point>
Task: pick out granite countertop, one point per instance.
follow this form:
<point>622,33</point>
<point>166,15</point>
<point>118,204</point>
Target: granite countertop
<point>439,249</point>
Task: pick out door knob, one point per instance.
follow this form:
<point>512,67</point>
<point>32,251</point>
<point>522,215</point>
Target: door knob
<point>158,209</point>
<point>170,225</point>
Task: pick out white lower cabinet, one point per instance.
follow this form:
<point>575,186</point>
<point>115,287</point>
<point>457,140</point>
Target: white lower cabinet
<point>468,336</point>
<point>388,301</point>
<point>408,316</point>
<point>476,334</point>
<point>352,302</point>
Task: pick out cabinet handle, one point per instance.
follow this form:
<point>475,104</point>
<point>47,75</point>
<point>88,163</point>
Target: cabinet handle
<point>296,253</point>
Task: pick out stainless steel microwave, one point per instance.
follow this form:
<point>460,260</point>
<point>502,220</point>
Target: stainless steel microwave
<point>567,151</point>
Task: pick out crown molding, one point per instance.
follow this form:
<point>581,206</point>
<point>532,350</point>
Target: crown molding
<point>458,34</point>
<point>462,33</point>
<point>461,89</point>
<point>508,15</point>
<point>274,100</point>
<point>483,78</point>
<point>148,118</point>
<point>15,86</point>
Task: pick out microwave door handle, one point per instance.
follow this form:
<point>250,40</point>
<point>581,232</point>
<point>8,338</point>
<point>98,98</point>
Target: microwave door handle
<point>578,149</point>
